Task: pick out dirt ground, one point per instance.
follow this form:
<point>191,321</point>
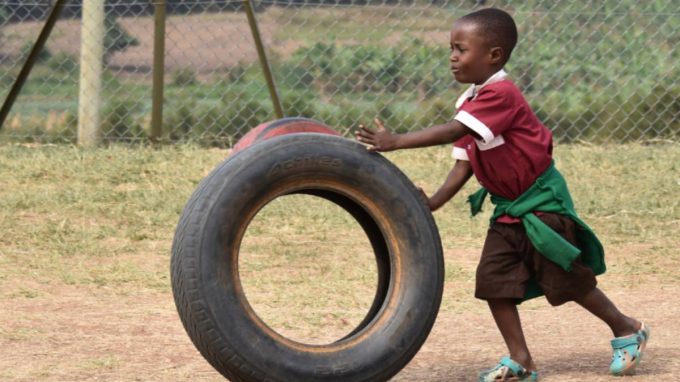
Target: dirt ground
<point>207,44</point>
<point>73,333</point>
<point>203,45</point>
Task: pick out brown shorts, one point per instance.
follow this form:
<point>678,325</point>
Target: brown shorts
<point>509,260</point>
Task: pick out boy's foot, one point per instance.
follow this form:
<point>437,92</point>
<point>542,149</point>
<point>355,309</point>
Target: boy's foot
<point>508,370</point>
<point>628,351</point>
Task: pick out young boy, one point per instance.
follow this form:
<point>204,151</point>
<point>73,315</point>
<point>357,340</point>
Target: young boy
<point>536,243</point>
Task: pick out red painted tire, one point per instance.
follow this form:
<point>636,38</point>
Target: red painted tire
<point>278,127</point>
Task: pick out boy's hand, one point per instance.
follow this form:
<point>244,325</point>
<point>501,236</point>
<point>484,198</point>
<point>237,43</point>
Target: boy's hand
<point>381,139</point>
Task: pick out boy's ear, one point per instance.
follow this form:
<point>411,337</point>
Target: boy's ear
<point>496,53</point>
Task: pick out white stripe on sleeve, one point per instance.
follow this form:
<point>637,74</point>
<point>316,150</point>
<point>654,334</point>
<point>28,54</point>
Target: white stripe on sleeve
<point>459,154</point>
<point>475,124</point>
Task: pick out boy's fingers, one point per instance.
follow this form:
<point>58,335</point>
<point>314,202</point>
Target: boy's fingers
<point>365,136</point>
<point>380,125</point>
<point>365,132</point>
<point>362,133</point>
<point>364,139</point>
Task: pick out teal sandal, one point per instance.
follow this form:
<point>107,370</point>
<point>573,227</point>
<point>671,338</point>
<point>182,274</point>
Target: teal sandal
<point>628,351</point>
<point>508,370</point>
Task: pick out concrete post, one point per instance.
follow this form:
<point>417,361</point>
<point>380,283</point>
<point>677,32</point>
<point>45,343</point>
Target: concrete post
<point>91,68</point>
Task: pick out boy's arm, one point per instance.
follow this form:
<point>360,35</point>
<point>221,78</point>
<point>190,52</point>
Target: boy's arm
<point>383,139</point>
<point>459,175</point>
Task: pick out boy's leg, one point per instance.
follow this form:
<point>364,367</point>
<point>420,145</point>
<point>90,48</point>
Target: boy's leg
<point>630,335</point>
<point>507,319</point>
<point>597,303</point>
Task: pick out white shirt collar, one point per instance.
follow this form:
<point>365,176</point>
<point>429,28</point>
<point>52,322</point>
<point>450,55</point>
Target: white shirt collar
<point>473,90</point>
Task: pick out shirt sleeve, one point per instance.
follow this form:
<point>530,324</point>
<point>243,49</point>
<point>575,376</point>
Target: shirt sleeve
<point>489,114</point>
<point>460,148</point>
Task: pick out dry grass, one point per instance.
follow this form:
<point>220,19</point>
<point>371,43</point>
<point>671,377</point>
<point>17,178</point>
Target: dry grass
<point>86,235</point>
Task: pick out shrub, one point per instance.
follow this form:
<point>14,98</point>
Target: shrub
<point>63,63</point>
<point>42,57</point>
<point>236,74</point>
<point>360,68</point>
<point>435,111</point>
<point>298,104</point>
<point>116,39</point>
<point>293,76</point>
<point>119,121</point>
<point>351,113</point>
<point>642,115</point>
<point>241,115</point>
<point>179,119</point>
<point>184,77</point>
<point>602,117</point>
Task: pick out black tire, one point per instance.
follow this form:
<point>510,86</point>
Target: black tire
<point>392,212</point>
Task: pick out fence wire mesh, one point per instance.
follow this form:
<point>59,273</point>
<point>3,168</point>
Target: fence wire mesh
<point>595,71</point>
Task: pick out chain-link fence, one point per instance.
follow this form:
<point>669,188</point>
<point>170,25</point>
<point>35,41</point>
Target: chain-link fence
<point>594,71</point>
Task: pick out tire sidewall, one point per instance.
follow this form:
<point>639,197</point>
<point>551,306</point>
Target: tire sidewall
<point>245,183</point>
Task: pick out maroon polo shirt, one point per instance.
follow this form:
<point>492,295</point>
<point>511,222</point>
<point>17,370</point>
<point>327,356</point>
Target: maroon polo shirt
<point>514,149</point>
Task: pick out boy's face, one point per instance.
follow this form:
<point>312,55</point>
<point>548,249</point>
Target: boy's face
<point>472,59</point>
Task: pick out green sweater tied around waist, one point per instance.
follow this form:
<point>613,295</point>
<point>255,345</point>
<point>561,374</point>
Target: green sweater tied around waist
<point>549,193</point>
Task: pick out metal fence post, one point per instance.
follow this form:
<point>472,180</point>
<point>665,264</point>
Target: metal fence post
<point>158,70</point>
<point>263,59</point>
<point>91,68</point>
<point>30,61</point>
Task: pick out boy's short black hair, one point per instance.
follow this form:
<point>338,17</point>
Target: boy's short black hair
<point>498,27</point>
